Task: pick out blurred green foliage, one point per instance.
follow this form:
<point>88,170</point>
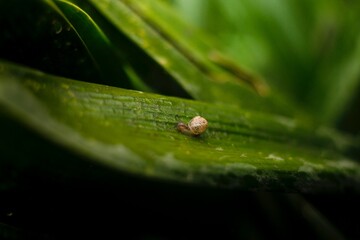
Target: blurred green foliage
<point>309,50</point>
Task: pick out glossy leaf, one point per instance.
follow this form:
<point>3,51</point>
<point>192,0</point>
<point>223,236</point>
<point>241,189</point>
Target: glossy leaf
<point>135,132</point>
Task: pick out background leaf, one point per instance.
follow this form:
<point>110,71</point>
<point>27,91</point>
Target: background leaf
<point>98,46</point>
<point>199,85</point>
<point>306,50</point>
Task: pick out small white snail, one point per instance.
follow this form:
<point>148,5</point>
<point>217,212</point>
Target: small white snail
<point>196,126</point>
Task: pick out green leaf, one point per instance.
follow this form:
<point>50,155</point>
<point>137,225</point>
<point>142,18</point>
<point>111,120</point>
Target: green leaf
<point>197,74</point>
<point>95,41</point>
<point>51,44</point>
<point>193,44</point>
<point>135,132</point>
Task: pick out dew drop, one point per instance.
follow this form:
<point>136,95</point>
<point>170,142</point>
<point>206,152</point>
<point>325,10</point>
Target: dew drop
<point>57,27</point>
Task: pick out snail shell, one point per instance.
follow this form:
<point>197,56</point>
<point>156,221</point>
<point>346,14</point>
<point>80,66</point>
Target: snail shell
<point>196,126</point>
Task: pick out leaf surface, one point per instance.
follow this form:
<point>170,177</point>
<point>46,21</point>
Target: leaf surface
<point>136,132</point>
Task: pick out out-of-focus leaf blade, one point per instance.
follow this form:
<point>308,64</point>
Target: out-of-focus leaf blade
<point>338,78</point>
<point>109,65</point>
<point>199,48</point>
<point>190,76</point>
<point>136,132</point>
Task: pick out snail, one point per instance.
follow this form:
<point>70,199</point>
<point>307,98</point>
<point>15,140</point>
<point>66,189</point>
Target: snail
<point>196,126</point>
